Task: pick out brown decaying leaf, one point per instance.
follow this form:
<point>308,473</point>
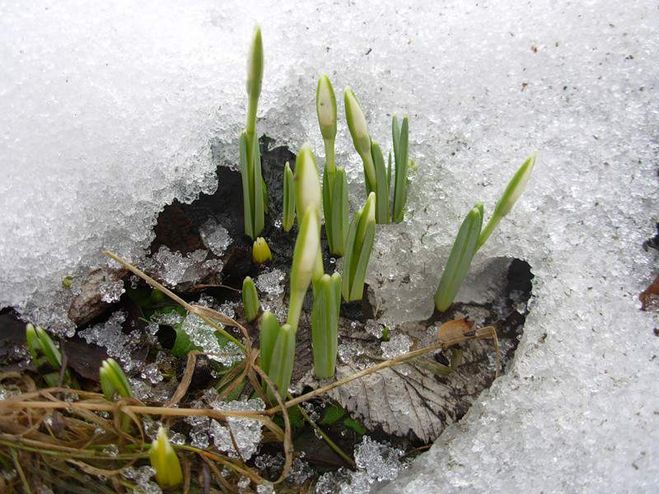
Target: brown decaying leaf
<point>415,399</point>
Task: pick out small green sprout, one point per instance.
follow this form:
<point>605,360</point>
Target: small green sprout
<point>325,324</point>
<point>251,303</point>
<point>277,344</point>
<point>360,138</point>
<point>164,461</point>
<point>261,251</point>
<point>268,331</point>
<point>472,236</point>
<point>335,185</point>
<point>358,250</point>
<point>254,189</point>
<point>459,261</point>
<point>39,343</point>
<point>289,199</point>
<point>513,190</point>
<point>113,380</point>
<point>400,137</point>
<point>44,354</point>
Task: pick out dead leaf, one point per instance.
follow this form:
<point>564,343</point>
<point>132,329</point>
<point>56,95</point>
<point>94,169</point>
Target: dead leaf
<point>415,399</point>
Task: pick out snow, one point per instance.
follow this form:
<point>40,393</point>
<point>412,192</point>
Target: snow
<point>109,111</point>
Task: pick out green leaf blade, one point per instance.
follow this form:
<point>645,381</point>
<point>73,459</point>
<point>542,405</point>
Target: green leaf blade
<point>457,266</point>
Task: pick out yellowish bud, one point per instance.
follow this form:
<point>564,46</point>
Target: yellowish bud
<point>261,251</point>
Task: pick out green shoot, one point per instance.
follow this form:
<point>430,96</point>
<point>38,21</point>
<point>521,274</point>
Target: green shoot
<point>261,251</point>
<point>360,138</point>
<point>335,189</point>
<point>113,380</point>
<point>39,343</point>
<point>268,330</point>
<point>282,359</point>
<point>45,355</point>
<point>513,190</point>
<point>289,199</point>
<point>251,303</point>
<point>164,461</point>
<point>308,197</point>
<point>335,206</point>
<point>254,190</point>
<point>359,244</point>
<point>401,158</point>
<point>305,255</point>
<point>381,185</point>
<point>325,324</point>
<point>459,261</point>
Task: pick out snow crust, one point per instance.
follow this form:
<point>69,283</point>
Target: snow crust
<point>110,110</point>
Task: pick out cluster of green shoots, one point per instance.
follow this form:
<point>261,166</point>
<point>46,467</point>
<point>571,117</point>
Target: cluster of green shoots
<point>308,202</point>
<point>47,357</point>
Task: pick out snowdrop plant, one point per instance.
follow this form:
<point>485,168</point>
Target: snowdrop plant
<point>359,244</point>
<point>251,303</point>
<point>164,461</point>
<point>44,353</point>
<point>254,189</point>
<point>113,380</point>
<point>472,236</point>
<point>335,184</point>
<point>378,176</point>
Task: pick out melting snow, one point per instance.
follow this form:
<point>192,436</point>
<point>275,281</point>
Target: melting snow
<point>104,120</point>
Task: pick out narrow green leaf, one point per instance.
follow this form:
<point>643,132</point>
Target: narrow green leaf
<point>247,189</point>
<point>260,197</point>
<point>355,425</point>
<point>250,297</point>
<point>268,330</point>
<point>339,212</point>
<point>32,341</point>
<point>327,207</point>
<point>324,325</point>
<point>381,185</point>
<point>358,250</point>
<point>513,190</point>
<point>289,199</point>
<point>389,174</point>
<point>113,380</point>
<point>49,349</point>
<point>459,261</point>
<point>332,414</point>
<point>401,166</point>
<point>283,359</point>
<point>357,286</point>
<point>350,253</point>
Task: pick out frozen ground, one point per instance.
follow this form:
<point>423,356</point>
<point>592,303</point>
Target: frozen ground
<point>108,111</point>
